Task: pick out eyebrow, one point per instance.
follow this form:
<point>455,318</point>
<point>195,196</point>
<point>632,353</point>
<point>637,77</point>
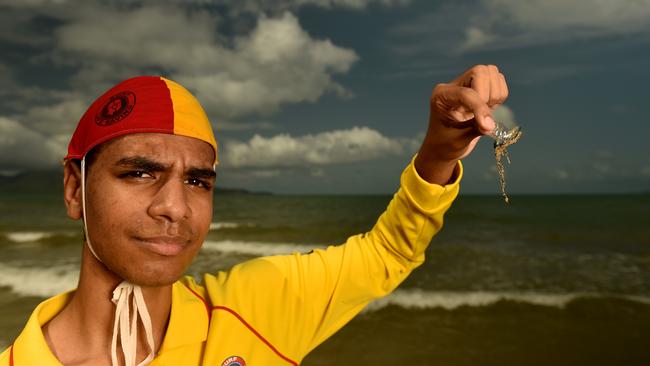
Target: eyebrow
<point>143,163</point>
<point>201,173</point>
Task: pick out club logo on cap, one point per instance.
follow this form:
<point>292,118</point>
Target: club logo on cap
<point>116,108</point>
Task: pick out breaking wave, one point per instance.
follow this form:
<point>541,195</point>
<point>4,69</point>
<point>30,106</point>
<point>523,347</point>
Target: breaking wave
<point>420,299</point>
<point>34,236</point>
<point>255,248</point>
<point>227,225</point>
<point>41,281</point>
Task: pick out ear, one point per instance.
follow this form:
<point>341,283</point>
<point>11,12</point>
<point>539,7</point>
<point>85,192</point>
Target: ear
<point>72,190</point>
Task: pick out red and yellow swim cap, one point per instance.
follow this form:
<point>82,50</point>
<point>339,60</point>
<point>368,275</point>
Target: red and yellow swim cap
<point>141,104</point>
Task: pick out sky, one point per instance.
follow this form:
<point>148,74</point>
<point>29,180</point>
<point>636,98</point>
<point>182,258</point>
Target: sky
<point>331,96</point>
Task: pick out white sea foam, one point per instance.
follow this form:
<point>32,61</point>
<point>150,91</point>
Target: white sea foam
<point>255,248</point>
<point>420,299</point>
<point>28,236</point>
<point>41,281</point>
<point>48,281</point>
<point>226,225</point>
<point>34,236</point>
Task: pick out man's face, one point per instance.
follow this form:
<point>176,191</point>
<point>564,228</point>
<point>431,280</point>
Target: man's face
<point>149,205</point>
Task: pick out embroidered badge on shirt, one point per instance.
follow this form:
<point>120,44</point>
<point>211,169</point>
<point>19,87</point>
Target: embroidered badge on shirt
<point>233,361</point>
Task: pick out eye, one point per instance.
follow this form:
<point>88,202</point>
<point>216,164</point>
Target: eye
<point>136,174</point>
<point>199,183</point>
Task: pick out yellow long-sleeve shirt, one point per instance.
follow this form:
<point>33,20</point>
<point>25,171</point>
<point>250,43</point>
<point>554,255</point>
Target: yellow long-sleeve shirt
<point>275,310</point>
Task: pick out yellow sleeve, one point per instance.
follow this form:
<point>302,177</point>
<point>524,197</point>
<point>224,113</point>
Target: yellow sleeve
<point>4,357</point>
<point>297,301</point>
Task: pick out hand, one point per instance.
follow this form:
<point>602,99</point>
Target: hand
<point>461,112</point>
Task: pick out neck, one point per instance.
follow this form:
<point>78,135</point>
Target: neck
<point>86,323</point>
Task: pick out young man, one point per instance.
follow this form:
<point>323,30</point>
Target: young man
<point>140,172</point>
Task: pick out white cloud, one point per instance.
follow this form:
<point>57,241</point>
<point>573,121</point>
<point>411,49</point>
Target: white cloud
<point>511,23</point>
<point>356,4</point>
<point>265,6</point>
<point>241,5</point>
<point>554,15</point>
<point>561,174</point>
<point>6,79</point>
<point>339,146</point>
<point>22,147</point>
<point>603,153</point>
<point>505,116</point>
<point>550,72</point>
<point>645,171</point>
<point>490,174</point>
<point>226,125</point>
<point>30,3</point>
<point>474,37</point>
<point>58,118</point>
<point>276,63</point>
<point>601,167</point>
<point>498,24</point>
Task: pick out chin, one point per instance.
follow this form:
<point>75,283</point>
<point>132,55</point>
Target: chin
<point>154,282</point>
<point>152,276</point>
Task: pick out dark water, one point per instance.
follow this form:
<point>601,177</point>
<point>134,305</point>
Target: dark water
<point>562,280</point>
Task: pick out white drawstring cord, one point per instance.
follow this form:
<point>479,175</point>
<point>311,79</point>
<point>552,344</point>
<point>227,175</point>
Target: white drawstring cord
<point>128,324</point>
<point>83,205</point>
<point>125,324</point>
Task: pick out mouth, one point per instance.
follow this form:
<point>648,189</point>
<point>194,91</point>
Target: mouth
<point>167,246</point>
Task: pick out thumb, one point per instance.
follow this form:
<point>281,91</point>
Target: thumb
<point>452,97</point>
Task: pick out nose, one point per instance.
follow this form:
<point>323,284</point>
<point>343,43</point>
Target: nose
<point>170,202</point>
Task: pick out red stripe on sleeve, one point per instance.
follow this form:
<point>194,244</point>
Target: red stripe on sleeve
<point>250,327</point>
<point>256,333</point>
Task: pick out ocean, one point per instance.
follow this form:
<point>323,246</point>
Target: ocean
<point>545,280</point>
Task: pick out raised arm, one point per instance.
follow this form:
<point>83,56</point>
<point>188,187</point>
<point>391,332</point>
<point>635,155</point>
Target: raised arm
<point>460,113</point>
<point>297,301</point>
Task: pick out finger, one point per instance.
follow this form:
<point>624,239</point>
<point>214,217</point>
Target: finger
<point>495,85</point>
<point>504,88</point>
<point>480,81</point>
<point>457,96</point>
<point>498,99</point>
